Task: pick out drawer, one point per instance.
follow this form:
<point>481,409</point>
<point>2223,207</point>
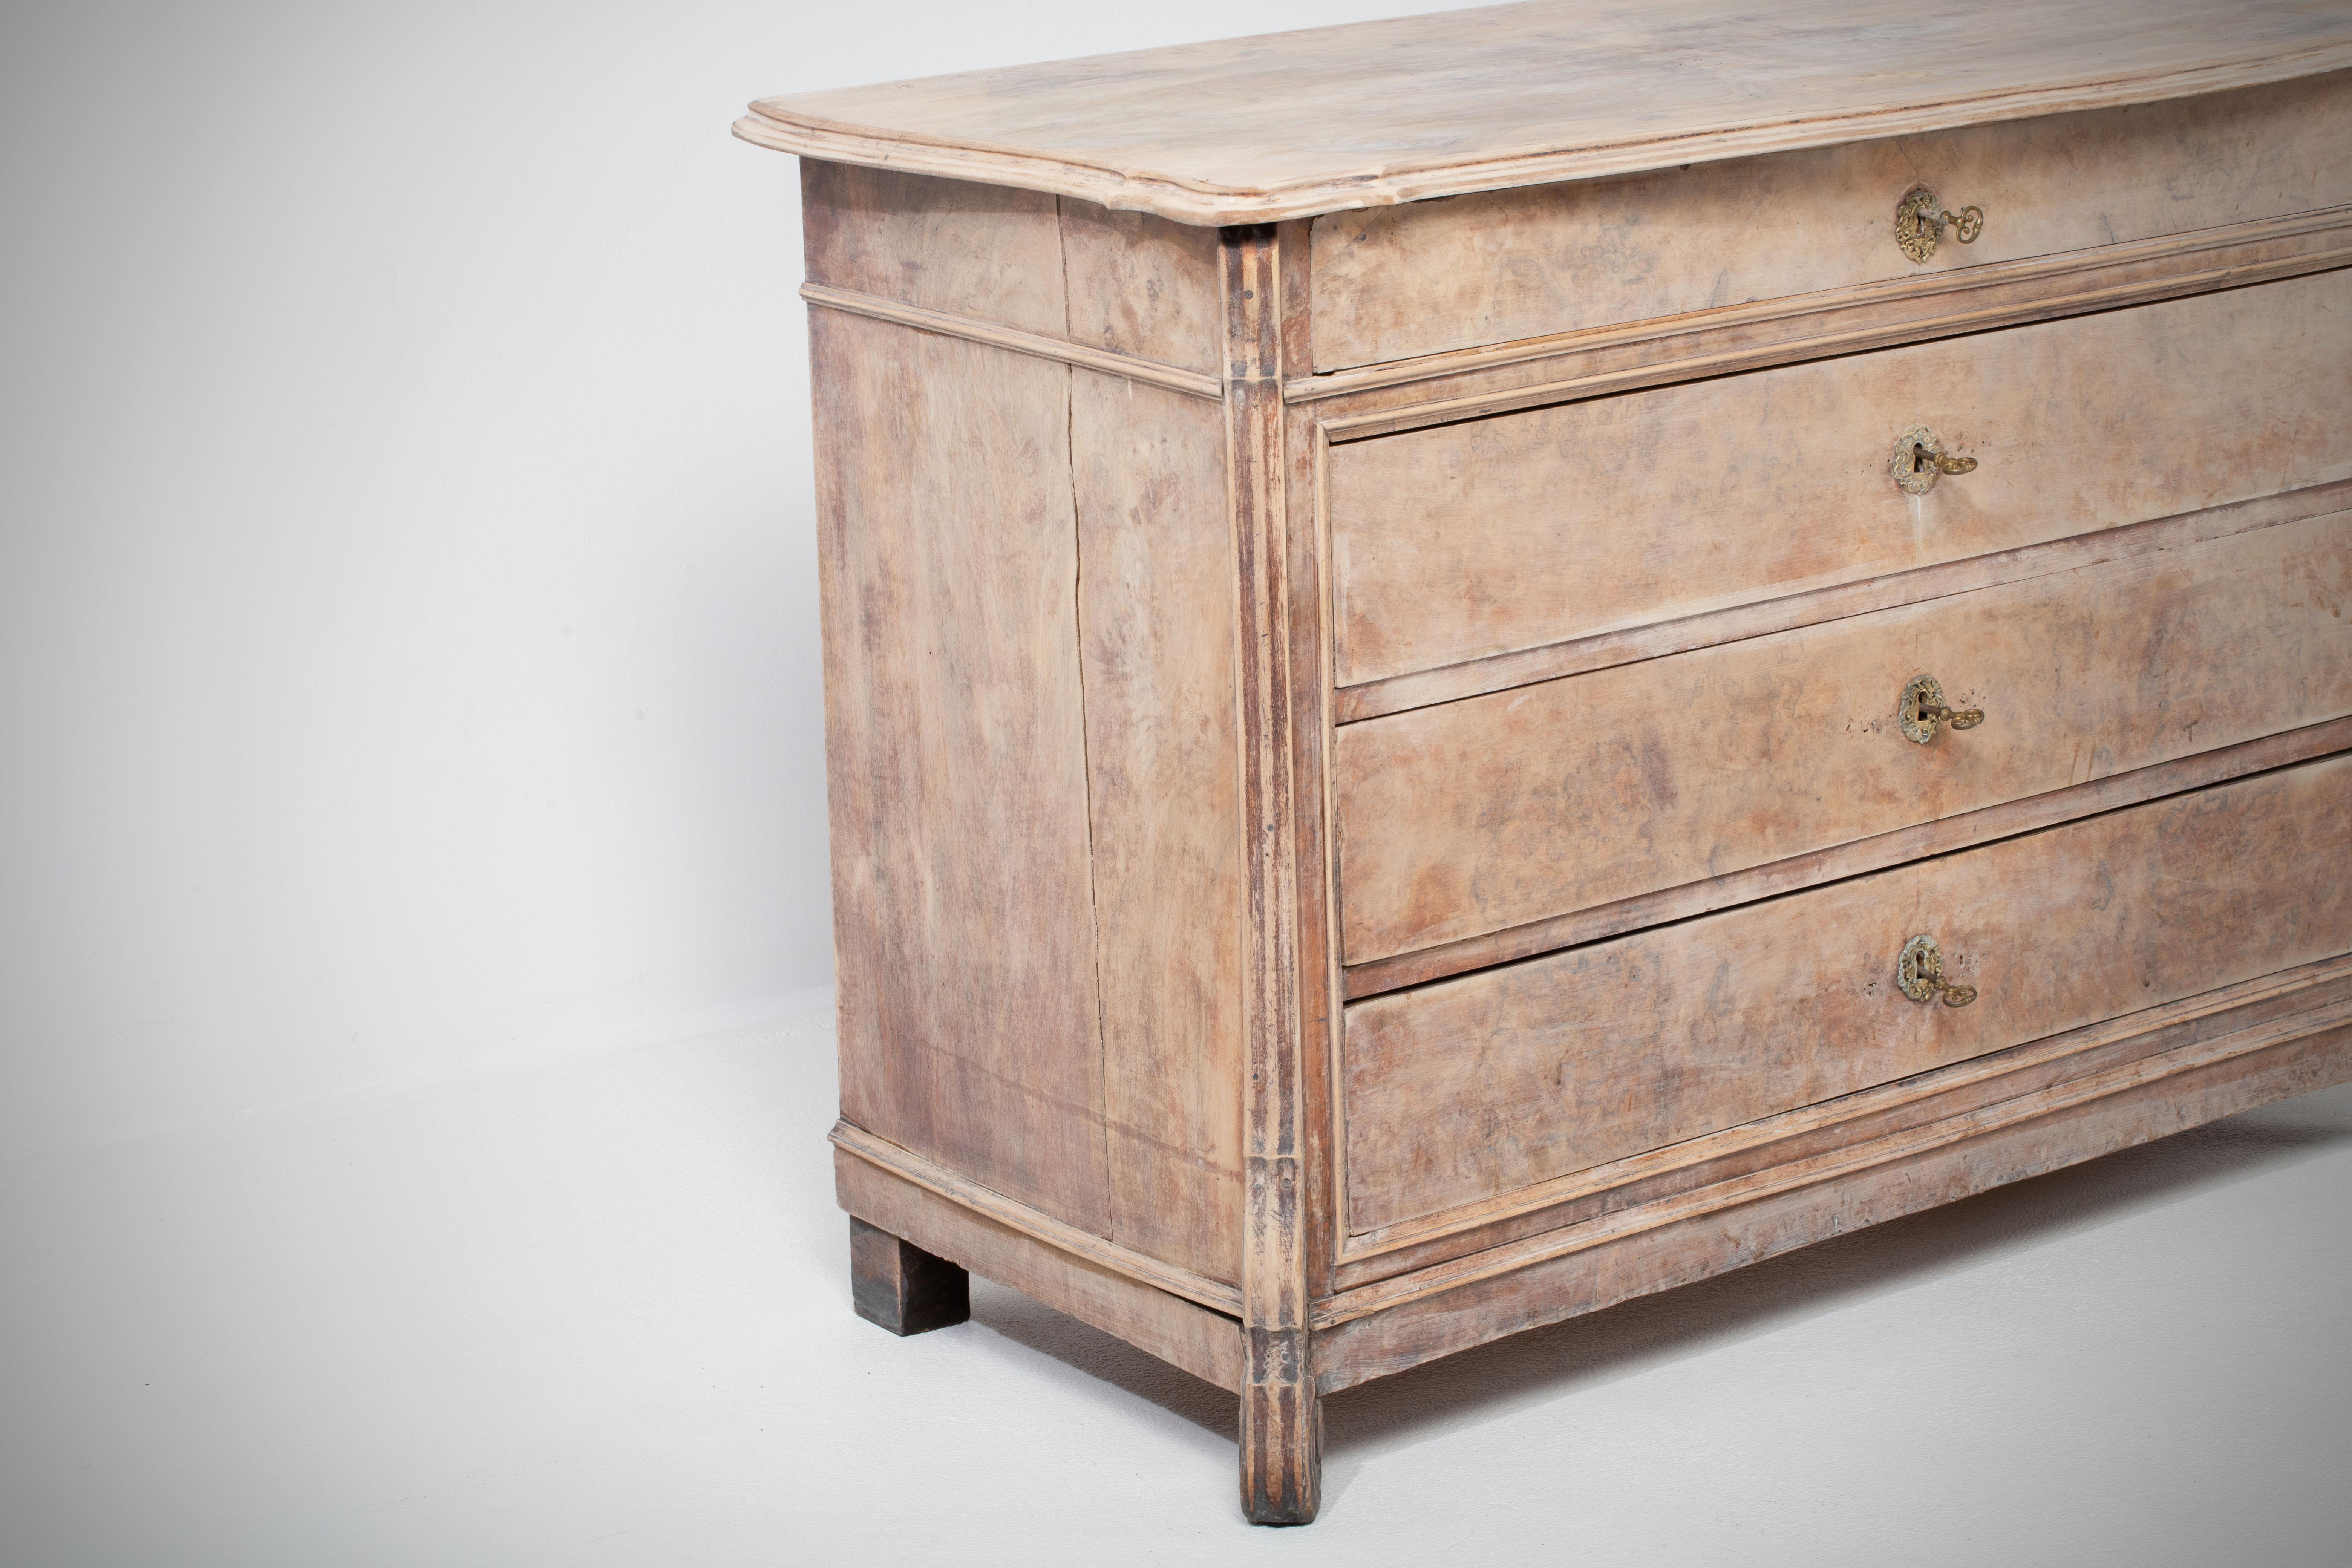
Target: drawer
<point>1475,1088</point>
<point>1464,541</point>
<point>1495,811</point>
<point>1396,282</point>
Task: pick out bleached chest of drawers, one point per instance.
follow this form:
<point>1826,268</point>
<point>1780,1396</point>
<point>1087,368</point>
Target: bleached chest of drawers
<point>1482,664</point>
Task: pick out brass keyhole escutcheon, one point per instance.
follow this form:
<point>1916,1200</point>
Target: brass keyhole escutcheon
<point>1919,220</point>
<point>1921,709</point>
<point>1919,460</point>
<point>1920,972</point>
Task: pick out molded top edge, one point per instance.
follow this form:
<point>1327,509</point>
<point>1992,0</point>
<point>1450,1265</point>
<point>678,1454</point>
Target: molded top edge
<point>1288,125</point>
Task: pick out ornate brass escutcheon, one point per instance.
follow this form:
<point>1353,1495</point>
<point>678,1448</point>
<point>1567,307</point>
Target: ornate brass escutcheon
<point>1920,461</point>
<point>1921,708</point>
<point>1920,972</point>
<point>1919,220</point>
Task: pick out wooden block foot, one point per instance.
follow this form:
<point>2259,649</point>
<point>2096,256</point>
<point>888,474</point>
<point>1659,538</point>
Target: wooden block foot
<point>899,1286</point>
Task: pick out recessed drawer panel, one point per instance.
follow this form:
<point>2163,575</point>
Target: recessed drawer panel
<point>1468,539</point>
<point>1474,1088</point>
<point>1397,282</point>
<point>1495,811</point>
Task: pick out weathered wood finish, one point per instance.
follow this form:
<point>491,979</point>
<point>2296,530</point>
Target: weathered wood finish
<point>2030,814</point>
<point>1123,282</point>
<point>1523,805</point>
<point>1205,1343</point>
<point>1473,539</point>
<point>1281,1416</point>
<point>1579,654</point>
<point>1420,1255</point>
<point>1495,1081</point>
<point>1635,1253</point>
<point>1157,661</point>
<point>1545,662</point>
<point>1399,282</point>
<point>1028,592</point>
<point>963,918</point>
<point>1294,124</point>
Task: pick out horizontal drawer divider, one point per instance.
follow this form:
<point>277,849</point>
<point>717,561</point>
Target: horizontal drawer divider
<point>1738,623</point>
<point>2008,819</point>
<point>1366,425</point>
<point>1822,303</point>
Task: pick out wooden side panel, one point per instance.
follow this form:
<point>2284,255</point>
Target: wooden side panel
<point>1502,810</point>
<point>1722,1232</point>
<point>985,251</point>
<point>1472,539</point>
<point>1156,620</point>
<point>1394,282</point>
<point>1487,1084</point>
<point>1205,1343</point>
<point>1059,266</point>
<point>963,921</point>
<point>1141,285</point>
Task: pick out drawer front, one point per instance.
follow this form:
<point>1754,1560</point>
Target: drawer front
<point>1476,1088</point>
<point>1468,539</point>
<point>1495,811</point>
<point>1396,282</point>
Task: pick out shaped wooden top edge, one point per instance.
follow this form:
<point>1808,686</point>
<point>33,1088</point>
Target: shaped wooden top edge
<point>1267,159</point>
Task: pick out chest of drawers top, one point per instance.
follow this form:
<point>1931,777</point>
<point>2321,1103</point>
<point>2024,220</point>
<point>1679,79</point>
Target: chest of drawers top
<point>1479,664</point>
<point>1296,124</point>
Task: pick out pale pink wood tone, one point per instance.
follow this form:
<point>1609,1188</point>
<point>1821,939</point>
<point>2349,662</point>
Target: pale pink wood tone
<point>1635,1253</point>
<point>1069,271</point>
<point>1205,1343</point>
<point>1463,1090</point>
<point>2299,999</point>
<point>1291,124</point>
<point>1400,282</point>
<point>1284,1041</point>
<point>1061,351</point>
<point>1523,805</point>
<point>1437,389</point>
<point>1155,636</point>
<point>964,925</point>
<point>2030,814</point>
<point>1581,655</point>
<point>1469,540</point>
<point>1141,285</point>
<point>1217,1295</point>
<point>1088,518</point>
<point>981,251</point>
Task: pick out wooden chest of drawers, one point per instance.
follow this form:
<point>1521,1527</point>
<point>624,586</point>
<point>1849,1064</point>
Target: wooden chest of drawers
<point>1482,664</point>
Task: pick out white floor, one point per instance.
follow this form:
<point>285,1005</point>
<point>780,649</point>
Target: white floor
<point>598,1313</point>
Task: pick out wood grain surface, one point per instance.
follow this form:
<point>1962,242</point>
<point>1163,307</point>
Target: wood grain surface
<point>1157,649</point>
<point>1428,277</point>
<point>1473,539</point>
<point>1507,809</point>
<point>1495,1081</point>
<point>1284,1041</point>
<point>964,929</point>
<point>1637,1252</point>
<point>1066,271</point>
<point>1292,124</point>
<point>1205,1343</point>
<point>1503,1227</point>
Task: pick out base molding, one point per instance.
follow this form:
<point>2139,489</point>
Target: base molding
<point>2264,1041</point>
<point>1205,1343</point>
<point>2170,1093</point>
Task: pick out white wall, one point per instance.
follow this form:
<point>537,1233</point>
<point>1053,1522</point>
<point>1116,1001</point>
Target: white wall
<point>408,619</point>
